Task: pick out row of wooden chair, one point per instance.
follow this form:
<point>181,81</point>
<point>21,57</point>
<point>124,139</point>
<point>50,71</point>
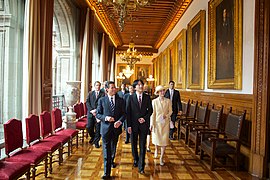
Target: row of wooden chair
<point>207,135</point>
<point>81,118</point>
<point>43,136</point>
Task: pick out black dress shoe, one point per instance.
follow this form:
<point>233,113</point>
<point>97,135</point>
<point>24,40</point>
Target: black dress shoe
<point>105,177</point>
<point>135,164</point>
<point>126,142</point>
<point>97,145</point>
<point>148,149</point>
<point>91,140</point>
<point>113,165</point>
<point>142,172</point>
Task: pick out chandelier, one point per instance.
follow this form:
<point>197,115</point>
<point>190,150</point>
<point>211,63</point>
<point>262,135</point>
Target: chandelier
<point>128,72</point>
<point>131,56</point>
<point>122,7</point>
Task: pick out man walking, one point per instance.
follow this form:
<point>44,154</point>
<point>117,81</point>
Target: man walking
<point>139,110</point>
<point>126,98</point>
<point>174,96</point>
<point>111,112</point>
<point>93,127</point>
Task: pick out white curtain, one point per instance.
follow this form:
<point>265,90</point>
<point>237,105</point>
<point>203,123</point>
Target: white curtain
<point>112,66</point>
<point>95,61</point>
<point>102,59</point>
<point>85,58</point>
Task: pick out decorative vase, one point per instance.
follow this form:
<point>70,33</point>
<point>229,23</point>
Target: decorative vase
<point>72,92</point>
<point>70,118</point>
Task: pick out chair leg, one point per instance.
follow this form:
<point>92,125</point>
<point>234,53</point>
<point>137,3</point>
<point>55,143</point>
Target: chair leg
<point>77,141</point>
<point>61,154</point>
<point>50,159</point>
<point>46,167</point>
<point>201,154</point>
<point>34,172</point>
<point>28,174</point>
<point>69,146</point>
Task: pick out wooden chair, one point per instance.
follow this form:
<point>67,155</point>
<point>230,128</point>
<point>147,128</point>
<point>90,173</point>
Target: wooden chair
<point>80,124</point>
<point>217,146</point>
<point>211,125</point>
<point>58,130</point>
<point>200,120</point>
<point>15,151</point>
<point>190,117</point>
<point>34,140</point>
<point>180,118</point>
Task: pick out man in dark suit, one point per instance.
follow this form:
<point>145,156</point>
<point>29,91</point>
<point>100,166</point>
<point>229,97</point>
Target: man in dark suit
<point>126,98</point>
<point>174,96</point>
<point>123,91</point>
<point>139,110</point>
<point>111,112</point>
<point>93,126</point>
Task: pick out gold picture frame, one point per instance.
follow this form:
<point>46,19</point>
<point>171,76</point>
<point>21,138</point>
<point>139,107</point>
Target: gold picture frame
<point>180,59</point>
<point>128,81</point>
<point>225,44</point>
<point>142,71</point>
<point>171,61</point>
<point>196,54</point>
<point>164,68</point>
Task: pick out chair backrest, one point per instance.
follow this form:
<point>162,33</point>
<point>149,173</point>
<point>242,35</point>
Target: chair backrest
<point>201,116</point>
<point>13,135</point>
<point>77,111</point>
<point>234,125</point>
<point>185,106</point>
<point>81,109</point>
<point>215,117</point>
<point>193,109</point>
<point>45,124</point>
<point>56,118</point>
<point>32,128</point>
<point>85,108</point>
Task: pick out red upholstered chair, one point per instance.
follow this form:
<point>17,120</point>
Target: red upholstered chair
<point>58,130</point>
<point>14,170</point>
<point>81,123</point>
<point>85,109</point>
<point>34,140</point>
<point>47,132</point>
<point>14,141</point>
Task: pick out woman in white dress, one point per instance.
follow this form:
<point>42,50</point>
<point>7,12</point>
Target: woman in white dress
<point>160,122</point>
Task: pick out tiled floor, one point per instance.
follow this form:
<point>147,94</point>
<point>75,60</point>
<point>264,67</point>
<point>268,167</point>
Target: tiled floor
<point>86,162</point>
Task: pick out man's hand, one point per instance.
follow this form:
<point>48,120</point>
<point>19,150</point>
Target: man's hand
<point>129,130</point>
<point>181,112</point>
<point>98,120</point>
<point>141,120</point>
<point>117,124</point>
<point>111,119</point>
<point>94,112</point>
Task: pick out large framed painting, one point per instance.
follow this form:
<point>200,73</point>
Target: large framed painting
<point>120,68</point>
<point>142,71</point>
<point>196,48</point>
<point>171,58</point>
<point>181,60</point>
<point>164,68</point>
<point>225,44</point>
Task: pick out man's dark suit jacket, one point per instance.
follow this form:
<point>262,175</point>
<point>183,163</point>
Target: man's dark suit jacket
<point>134,112</point>
<point>176,100</point>
<point>92,102</point>
<point>121,95</point>
<point>104,109</point>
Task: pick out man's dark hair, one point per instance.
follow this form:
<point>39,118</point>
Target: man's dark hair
<point>171,82</point>
<point>97,82</point>
<point>136,82</point>
<point>124,83</point>
<point>107,85</point>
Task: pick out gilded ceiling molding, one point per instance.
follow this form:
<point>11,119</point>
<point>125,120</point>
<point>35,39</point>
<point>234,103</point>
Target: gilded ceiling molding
<point>171,22</point>
<point>104,20</point>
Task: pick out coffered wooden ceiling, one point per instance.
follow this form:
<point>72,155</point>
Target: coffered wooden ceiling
<point>149,26</point>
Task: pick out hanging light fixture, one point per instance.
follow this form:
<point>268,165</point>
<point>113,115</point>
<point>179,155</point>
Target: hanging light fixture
<point>128,72</point>
<point>122,7</point>
<point>131,56</point>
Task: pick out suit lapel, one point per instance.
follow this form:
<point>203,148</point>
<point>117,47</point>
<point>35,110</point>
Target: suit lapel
<point>136,100</point>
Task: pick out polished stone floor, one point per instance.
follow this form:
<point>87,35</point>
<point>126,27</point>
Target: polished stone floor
<point>86,163</point>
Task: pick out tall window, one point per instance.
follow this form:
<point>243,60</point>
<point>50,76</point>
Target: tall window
<point>11,57</point>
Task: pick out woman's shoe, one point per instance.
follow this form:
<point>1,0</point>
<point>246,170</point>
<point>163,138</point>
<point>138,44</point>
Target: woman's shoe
<point>148,150</point>
<point>156,154</point>
<point>161,162</point>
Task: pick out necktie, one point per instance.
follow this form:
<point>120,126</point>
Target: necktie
<point>96,94</point>
<point>112,105</point>
<point>140,101</point>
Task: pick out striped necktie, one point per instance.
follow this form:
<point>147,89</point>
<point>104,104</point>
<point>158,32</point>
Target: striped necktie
<point>112,105</point>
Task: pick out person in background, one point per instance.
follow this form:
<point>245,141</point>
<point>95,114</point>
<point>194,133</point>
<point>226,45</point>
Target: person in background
<point>93,125</point>
<point>103,89</point>
<point>175,98</point>
<point>123,90</point>
<point>111,112</point>
<point>139,110</point>
<point>126,98</point>
<point>160,122</point>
